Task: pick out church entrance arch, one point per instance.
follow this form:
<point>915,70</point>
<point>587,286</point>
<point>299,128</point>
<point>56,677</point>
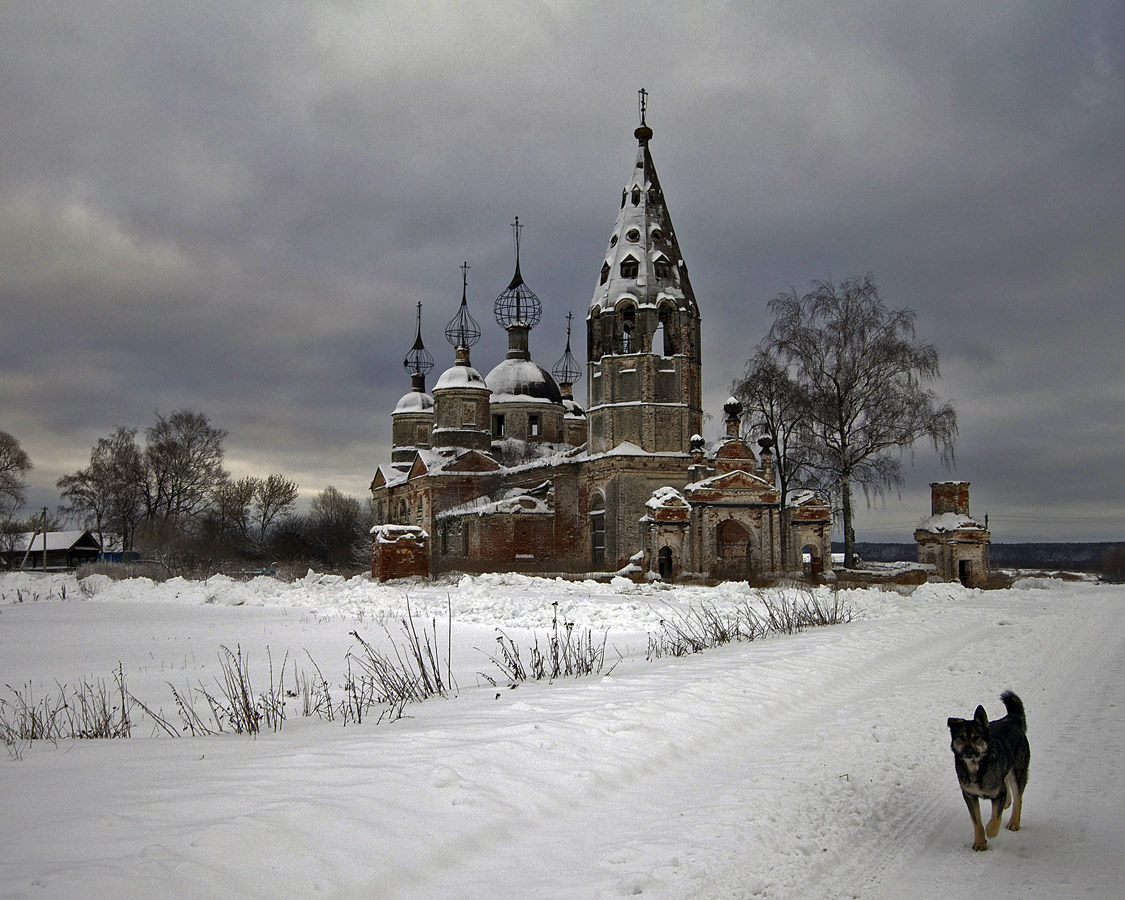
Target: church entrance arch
<point>664,563</point>
<point>811,561</point>
<point>733,552</point>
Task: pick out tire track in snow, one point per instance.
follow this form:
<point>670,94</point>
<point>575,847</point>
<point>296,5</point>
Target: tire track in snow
<point>1071,821</point>
<point>745,757</point>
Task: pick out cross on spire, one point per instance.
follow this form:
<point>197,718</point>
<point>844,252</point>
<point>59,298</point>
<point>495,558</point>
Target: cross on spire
<point>643,100</point>
<point>516,227</point>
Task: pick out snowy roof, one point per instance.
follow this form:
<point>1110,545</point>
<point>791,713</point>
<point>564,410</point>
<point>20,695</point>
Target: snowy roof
<point>393,474</point>
<point>949,522</point>
<point>389,534</point>
<point>803,498</point>
<point>573,409</point>
<point>521,380</point>
<point>666,496</point>
<point>460,377</point>
<point>714,480</point>
<point>415,401</point>
<point>56,540</point>
<point>518,500</point>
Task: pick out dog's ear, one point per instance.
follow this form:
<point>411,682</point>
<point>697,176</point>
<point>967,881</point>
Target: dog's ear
<point>981,717</point>
<point>956,724</point>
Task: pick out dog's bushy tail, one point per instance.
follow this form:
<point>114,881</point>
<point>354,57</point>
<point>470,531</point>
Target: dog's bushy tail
<point>1014,705</point>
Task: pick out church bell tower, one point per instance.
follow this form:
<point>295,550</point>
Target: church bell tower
<point>644,379</point>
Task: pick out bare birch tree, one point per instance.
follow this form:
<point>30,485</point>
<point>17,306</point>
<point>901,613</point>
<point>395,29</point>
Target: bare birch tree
<point>108,495</point>
<point>864,373</point>
<point>274,498</point>
<point>14,466</point>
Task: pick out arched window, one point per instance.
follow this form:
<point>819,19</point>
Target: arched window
<point>597,533</point>
<point>662,267</point>
<point>605,272</point>
<point>629,267</point>
<point>628,314</point>
<point>668,328</point>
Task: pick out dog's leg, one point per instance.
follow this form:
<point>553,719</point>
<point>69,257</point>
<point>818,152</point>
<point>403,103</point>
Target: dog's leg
<point>1017,802</point>
<point>979,842</point>
<point>998,807</point>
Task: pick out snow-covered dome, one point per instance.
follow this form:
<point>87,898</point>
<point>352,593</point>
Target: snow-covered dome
<point>460,377</point>
<point>522,379</point>
<point>415,401</point>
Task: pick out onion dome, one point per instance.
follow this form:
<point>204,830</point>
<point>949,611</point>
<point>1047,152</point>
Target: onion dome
<point>566,370</point>
<point>522,379</point>
<point>517,305</point>
<point>460,375</point>
<point>418,361</point>
<point>414,401</point>
<point>463,330</point>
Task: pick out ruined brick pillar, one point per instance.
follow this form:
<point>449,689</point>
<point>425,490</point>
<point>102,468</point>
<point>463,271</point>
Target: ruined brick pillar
<point>949,497</point>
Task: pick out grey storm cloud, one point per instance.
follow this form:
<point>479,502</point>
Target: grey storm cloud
<point>236,206</point>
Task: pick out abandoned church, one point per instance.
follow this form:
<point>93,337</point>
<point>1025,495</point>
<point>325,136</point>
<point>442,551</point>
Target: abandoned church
<point>508,472</point>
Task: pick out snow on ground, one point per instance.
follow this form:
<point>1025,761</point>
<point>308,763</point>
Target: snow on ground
<point>811,766</point>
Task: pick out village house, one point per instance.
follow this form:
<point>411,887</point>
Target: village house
<point>52,550</point>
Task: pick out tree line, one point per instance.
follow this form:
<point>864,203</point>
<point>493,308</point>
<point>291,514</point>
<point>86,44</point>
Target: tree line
<point>170,498</point>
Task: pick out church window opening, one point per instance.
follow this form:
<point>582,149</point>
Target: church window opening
<point>653,197</point>
<point>668,326</point>
<point>623,198</point>
<point>533,425</point>
<point>628,328</point>
<point>605,272</point>
<point>633,235</point>
<point>613,241</point>
<point>657,234</point>
<point>636,196</point>
<point>662,267</point>
<point>597,533</point>
<point>498,426</point>
<point>629,267</point>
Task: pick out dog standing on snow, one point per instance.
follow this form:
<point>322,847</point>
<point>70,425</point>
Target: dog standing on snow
<point>991,760</point>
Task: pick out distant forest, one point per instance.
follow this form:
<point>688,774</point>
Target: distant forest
<point>1081,556</point>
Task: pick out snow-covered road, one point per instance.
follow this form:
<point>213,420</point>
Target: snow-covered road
<point>808,766</point>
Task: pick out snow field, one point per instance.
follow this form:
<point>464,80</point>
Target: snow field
<point>815,765</point>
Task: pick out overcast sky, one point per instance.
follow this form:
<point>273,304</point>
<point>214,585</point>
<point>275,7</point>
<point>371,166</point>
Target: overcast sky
<point>234,207</point>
